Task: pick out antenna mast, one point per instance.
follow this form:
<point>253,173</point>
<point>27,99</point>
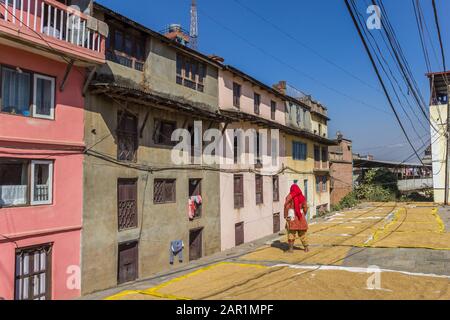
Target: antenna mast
<point>194,26</point>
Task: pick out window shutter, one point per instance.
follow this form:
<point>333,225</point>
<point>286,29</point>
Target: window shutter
<point>238,191</point>
<point>127,204</point>
<point>259,189</point>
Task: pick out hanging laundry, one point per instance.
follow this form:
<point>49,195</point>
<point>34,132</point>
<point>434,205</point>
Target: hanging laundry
<point>191,208</point>
<point>193,204</point>
<point>176,249</point>
<point>198,200</point>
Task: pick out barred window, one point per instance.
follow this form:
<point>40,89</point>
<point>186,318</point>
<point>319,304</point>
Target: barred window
<point>127,203</point>
<point>164,191</point>
<point>127,136</point>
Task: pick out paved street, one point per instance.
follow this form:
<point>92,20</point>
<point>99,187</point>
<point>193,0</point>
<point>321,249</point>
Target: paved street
<point>407,243</point>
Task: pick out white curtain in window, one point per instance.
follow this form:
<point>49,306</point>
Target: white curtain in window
<point>13,195</point>
<point>15,91</point>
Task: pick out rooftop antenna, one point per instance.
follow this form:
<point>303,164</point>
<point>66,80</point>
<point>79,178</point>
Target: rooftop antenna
<point>194,26</point>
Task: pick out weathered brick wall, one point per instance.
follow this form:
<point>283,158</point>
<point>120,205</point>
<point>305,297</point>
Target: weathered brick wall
<point>341,175</point>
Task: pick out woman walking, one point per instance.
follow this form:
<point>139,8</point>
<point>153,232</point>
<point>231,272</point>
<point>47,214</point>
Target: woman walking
<point>295,209</point>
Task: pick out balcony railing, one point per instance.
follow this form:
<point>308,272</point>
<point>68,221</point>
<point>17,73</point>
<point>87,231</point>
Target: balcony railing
<point>50,18</point>
<point>41,193</point>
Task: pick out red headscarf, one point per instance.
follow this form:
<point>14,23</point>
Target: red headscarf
<point>299,199</point>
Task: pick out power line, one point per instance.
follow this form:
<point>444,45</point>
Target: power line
<point>436,19</point>
<point>421,33</point>
<point>422,15</point>
<point>402,63</point>
<point>303,74</point>
<point>389,75</point>
<point>314,51</point>
<point>358,28</point>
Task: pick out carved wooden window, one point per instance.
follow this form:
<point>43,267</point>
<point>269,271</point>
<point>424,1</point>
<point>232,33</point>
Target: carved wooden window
<point>163,132</point>
<point>125,48</point>
<point>127,137</point>
<point>164,191</point>
<point>127,203</point>
<point>190,73</point>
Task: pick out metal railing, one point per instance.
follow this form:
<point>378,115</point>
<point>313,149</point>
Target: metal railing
<point>41,193</point>
<point>52,19</point>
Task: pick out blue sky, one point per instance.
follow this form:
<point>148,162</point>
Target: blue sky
<point>248,42</point>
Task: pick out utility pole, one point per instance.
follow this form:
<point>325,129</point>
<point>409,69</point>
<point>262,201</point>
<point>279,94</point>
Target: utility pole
<point>194,26</point>
<point>447,144</point>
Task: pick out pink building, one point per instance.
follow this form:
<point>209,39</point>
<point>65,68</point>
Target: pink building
<point>252,198</point>
<point>46,50</point>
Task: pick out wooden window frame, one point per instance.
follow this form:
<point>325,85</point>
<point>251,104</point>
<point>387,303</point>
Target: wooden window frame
<point>157,134</point>
<point>48,249</point>
<point>318,184</point>
<point>164,197</point>
<point>241,203</point>
<point>273,109</point>
<point>134,223</point>
<point>190,73</point>
<point>257,103</point>
<point>324,157</point>
<point>276,188</point>
<point>324,184</point>
<point>115,54</point>
<point>237,94</point>
<point>132,135</point>
<point>317,157</point>
<point>260,190</point>
<point>297,147</point>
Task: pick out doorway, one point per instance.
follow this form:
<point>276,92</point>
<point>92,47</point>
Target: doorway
<point>276,223</point>
<point>239,234</point>
<point>128,262</point>
<point>195,244</point>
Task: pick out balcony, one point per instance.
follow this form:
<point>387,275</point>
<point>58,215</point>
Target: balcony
<point>54,28</point>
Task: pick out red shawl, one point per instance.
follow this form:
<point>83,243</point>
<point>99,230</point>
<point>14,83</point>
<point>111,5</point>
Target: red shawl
<point>299,199</point>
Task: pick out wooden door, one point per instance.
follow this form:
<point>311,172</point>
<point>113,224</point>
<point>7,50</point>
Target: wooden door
<point>128,262</point>
<point>276,223</point>
<point>239,234</point>
<point>33,273</point>
<point>195,244</point>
